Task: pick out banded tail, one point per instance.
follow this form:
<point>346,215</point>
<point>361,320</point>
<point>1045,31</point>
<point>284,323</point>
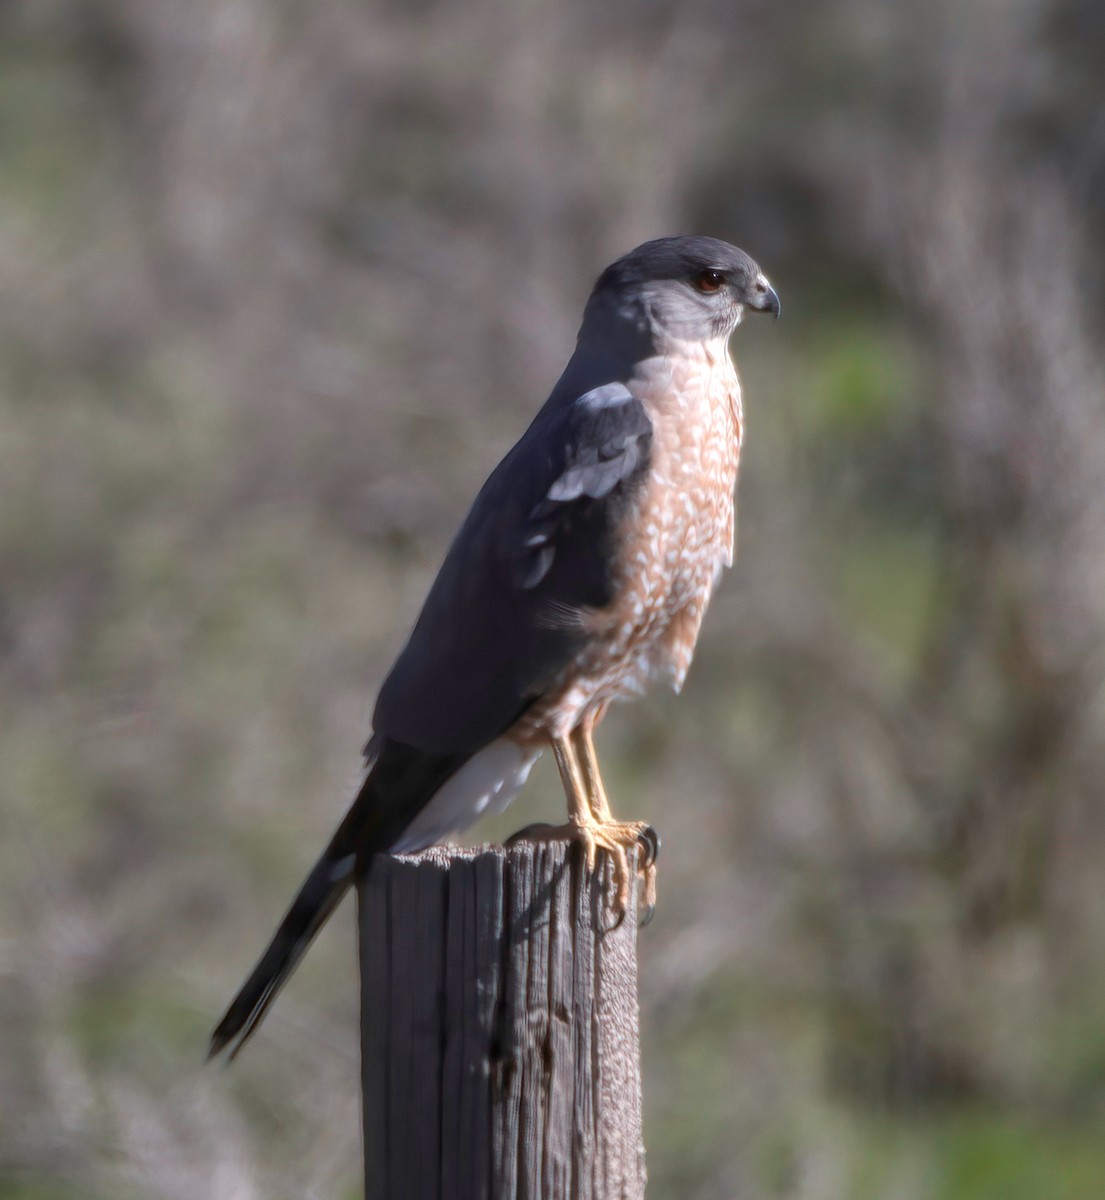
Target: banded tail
<point>400,782</point>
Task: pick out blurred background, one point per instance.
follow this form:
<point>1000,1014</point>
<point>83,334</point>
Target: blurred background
<point>281,283</point>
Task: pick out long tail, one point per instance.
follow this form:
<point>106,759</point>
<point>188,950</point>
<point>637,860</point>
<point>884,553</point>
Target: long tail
<point>400,782</point>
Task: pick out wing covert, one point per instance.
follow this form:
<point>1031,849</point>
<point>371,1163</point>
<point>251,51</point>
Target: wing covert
<point>541,538</point>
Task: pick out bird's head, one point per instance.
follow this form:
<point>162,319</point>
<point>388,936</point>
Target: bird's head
<point>690,288</point>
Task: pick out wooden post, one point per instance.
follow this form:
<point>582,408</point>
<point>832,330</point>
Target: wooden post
<point>500,1055</point>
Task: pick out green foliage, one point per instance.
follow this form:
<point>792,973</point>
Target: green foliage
<point>981,1158</point>
<point>861,381</point>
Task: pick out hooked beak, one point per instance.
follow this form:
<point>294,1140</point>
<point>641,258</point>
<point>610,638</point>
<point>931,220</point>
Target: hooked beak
<point>762,297</point>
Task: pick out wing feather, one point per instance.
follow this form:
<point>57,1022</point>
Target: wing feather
<point>542,537</point>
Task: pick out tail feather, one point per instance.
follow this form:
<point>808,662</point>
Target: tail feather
<point>401,782</point>
<point>322,892</point>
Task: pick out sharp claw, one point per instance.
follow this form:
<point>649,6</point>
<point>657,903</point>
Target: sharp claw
<point>649,840</point>
<point>616,846</point>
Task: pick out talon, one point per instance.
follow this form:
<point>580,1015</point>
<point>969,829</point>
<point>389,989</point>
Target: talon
<point>649,841</point>
<point>616,839</point>
<point>648,896</point>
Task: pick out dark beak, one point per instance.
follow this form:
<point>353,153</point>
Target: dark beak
<point>762,297</point>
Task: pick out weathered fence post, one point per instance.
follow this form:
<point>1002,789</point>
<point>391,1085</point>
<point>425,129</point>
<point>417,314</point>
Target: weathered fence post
<point>500,1055</point>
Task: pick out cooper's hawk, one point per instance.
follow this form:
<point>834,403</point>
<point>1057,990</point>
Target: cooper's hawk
<point>581,573</point>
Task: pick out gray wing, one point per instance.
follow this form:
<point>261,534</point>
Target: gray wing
<point>538,546</point>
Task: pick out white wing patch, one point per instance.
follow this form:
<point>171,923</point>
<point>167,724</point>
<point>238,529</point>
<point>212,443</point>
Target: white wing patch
<point>485,784</point>
<point>606,396</point>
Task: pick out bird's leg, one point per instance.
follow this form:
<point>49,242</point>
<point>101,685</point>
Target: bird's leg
<point>581,739</point>
<point>571,776</point>
<point>591,822</point>
<point>579,775</point>
<point>621,833</point>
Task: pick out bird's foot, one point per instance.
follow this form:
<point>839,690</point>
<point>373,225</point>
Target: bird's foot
<point>617,838</point>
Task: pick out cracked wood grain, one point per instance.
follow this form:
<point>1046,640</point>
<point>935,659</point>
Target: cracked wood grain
<point>500,1052</point>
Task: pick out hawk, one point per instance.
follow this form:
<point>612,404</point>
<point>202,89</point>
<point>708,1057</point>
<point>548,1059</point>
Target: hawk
<point>581,574</point>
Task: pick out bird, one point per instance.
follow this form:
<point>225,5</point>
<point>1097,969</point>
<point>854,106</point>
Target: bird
<point>580,575</point>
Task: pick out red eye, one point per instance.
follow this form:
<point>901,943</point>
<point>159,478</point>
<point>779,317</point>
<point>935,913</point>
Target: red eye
<point>708,281</point>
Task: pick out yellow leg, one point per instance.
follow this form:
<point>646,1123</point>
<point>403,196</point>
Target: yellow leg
<point>581,739</point>
<point>624,833</point>
<point>591,822</point>
<point>575,787</point>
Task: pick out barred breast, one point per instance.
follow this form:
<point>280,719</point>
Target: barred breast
<point>677,539</point>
